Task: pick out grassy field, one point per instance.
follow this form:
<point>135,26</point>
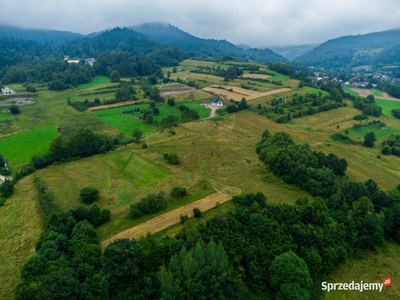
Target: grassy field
<point>21,226</point>
<point>311,90</point>
<point>388,106</point>
<point>379,133</point>
<point>346,89</point>
<point>138,170</point>
<point>215,155</point>
<point>4,117</point>
<point>96,81</point>
<point>127,122</point>
<point>21,147</point>
<point>371,268</point>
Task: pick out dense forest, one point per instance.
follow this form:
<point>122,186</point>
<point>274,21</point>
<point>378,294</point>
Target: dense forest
<point>42,36</point>
<point>131,54</point>
<point>352,51</point>
<point>172,36</point>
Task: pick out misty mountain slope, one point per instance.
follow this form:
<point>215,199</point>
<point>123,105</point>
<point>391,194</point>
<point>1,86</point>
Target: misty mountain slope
<point>292,52</point>
<point>43,36</point>
<point>127,40</point>
<point>352,51</point>
<point>172,36</point>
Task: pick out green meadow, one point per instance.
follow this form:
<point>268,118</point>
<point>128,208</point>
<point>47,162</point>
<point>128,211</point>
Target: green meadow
<point>137,169</point>
<point>127,122</point>
<point>4,117</point>
<point>18,149</point>
<point>311,90</point>
<point>379,133</point>
<point>388,106</point>
<point>99,80</point>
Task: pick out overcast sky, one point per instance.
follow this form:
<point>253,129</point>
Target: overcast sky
<point>252,22</point>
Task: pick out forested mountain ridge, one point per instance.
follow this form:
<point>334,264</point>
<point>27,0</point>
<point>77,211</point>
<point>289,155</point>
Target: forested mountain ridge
<point>172,36</point>
<point>294,51</point>
<point>43,36</point>
<point>352,51</point>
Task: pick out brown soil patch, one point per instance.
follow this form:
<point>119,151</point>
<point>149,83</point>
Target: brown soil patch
<point>238,93</point>
<point>365,93</point>
<point>170,218</point>
<point>262,76</point>
<point>179,92</point>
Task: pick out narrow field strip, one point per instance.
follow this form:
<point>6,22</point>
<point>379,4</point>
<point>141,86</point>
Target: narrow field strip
<point>170,218</point>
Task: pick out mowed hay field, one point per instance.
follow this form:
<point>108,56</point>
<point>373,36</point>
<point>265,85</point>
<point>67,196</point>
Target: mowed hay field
<point>262,76</point>
<point>18,149</point>
<point>239,93</point>
<point>20,229</point>
<point>376,93</point>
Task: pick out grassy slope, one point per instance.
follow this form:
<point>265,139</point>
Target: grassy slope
<point>373,267</point>
<point>217,152</point>
<point>21,147</point>
<point>20,224</point>
<point>387,106</point>
<point>311,90</point>
<point>99,80</point>
<point>127,122</point>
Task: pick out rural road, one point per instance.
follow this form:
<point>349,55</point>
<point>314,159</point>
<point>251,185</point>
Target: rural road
<point>170,218</point>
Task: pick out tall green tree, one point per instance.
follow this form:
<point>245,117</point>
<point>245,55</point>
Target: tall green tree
<point>200,273</point>
<point>369,139</point>
<point>137,134</point>
<point>290,277</point>
<point>114,76</point>
<point>120,260</point>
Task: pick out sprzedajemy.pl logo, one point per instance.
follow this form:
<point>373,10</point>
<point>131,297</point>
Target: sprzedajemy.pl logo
<point>356,286</point>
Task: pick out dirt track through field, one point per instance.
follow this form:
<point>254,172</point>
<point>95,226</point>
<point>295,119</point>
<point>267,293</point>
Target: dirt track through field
<point>238,93</point>
<point>170,218</point>
<point>365,93</point>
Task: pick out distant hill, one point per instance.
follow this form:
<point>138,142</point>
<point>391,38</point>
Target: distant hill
<point>353,51</point>
<point>243,46</point>
<point>172,36</point>
<point>126,40</point>
<point>42,36</point>
<point>291,52</point>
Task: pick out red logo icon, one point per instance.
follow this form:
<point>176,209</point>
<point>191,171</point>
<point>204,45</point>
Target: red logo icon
<point>387,281</point>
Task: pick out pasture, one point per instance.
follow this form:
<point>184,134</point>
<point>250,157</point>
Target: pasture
<point>4,117</point>
<point>388,106</point>
<point>96,81</point>
<point>379,132</point>
<point>310,90</point>
<point>127,122</point>
<point>18,149</point>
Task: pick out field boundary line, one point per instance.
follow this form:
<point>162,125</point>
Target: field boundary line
<point>170,218</point>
